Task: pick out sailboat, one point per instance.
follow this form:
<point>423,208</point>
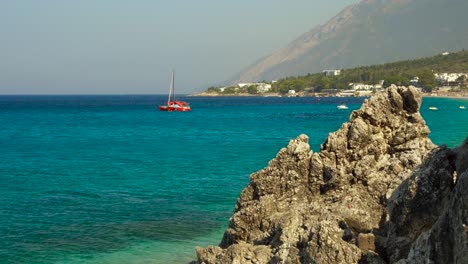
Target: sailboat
<point>172,104</point>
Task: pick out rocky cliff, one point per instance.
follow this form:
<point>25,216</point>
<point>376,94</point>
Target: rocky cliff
<point>378,191</point>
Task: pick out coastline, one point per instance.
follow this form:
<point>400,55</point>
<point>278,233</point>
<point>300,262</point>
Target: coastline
<point>462,96</point>
<point>205,94</point>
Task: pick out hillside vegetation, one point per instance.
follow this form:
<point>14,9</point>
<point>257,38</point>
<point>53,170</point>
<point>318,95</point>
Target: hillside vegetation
<point>399,73</point>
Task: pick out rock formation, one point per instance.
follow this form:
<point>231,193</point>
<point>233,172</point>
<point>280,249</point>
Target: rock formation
<point>428,212</point>
<point>364,198</point>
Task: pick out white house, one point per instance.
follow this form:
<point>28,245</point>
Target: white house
<point>261,87</point>
<point>414,81</point>
<point>330,73</point>
<point>449,77</point>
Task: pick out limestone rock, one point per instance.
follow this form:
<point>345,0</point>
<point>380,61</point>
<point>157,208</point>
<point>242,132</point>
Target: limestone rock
<point>429,213</point>
<point>237,253</point>
<point>359,200</point>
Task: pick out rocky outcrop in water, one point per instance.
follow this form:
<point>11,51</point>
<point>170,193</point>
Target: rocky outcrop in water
<point>364,198</point>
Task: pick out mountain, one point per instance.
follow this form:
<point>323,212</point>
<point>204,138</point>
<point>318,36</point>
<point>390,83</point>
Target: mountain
<point>370,32</point>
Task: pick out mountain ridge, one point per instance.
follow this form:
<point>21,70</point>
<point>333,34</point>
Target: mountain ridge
<point>370,32</point>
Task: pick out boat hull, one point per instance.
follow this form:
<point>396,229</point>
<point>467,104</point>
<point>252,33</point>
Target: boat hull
<point>175,109</point>
<point>173,105</point>
<point>342,107</point>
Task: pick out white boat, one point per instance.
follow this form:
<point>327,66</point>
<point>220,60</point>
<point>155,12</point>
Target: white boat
<point>461,107</point>
<point>433,108</point>
<point>342,107</point>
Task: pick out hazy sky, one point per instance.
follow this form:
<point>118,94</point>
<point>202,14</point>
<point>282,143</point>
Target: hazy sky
<point>130,47</point>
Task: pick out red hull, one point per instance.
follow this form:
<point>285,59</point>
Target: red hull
<point>175,106</point>
<point>175,109</point>
<point>172,104</point>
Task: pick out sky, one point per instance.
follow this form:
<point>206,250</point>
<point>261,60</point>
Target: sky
<point>131,47</point>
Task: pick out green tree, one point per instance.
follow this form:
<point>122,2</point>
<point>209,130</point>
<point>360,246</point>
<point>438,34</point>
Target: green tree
<point>230,90</point>
<point>427,80</point>
<point>396,79</point>
<point>213,89</point>
<point>461,81</point>
<point>252,89</point>
<point>365,76</point>
<point>324,83</point>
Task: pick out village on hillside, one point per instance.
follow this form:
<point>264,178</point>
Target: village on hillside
<point>448,84</point>
<point>445,74</point>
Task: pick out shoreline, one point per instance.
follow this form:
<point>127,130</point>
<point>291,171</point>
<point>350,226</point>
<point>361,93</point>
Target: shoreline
<point>464,96</point>
<point>426,95</point>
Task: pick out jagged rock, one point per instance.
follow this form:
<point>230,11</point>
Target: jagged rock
<point>418,202</point>
<point>366,242</point>
<point>238,253</point>
<point>429,212</point>
<point>331,206</point>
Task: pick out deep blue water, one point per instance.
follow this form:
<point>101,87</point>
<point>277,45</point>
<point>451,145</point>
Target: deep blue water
<point>110,179</point>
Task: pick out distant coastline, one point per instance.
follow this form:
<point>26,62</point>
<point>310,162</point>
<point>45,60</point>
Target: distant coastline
<point>459,95</point>
<point>454,95</point>
<point>443,75</point>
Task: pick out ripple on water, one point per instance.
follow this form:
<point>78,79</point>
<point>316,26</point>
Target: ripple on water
<point>111,180</point>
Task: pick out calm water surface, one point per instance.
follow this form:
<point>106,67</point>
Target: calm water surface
<point>110,179</point>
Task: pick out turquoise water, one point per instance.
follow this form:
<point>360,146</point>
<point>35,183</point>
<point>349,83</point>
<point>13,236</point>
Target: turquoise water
<point>110,179</point>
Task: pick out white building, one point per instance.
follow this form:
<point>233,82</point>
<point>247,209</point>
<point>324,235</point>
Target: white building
<point>330,73</point>
<point>414,81</point>
<point>364,87</point>
<point>241,85</point>
<point>261,87</point>
<point>346,93</point>
<point>449,77</point>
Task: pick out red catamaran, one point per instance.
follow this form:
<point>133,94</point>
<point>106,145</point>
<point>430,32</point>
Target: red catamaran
<point>172,104</point>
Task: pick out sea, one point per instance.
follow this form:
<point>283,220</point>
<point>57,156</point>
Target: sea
<point>111,179</point>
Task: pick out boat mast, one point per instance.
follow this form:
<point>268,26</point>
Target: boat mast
<point>171,89</point>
